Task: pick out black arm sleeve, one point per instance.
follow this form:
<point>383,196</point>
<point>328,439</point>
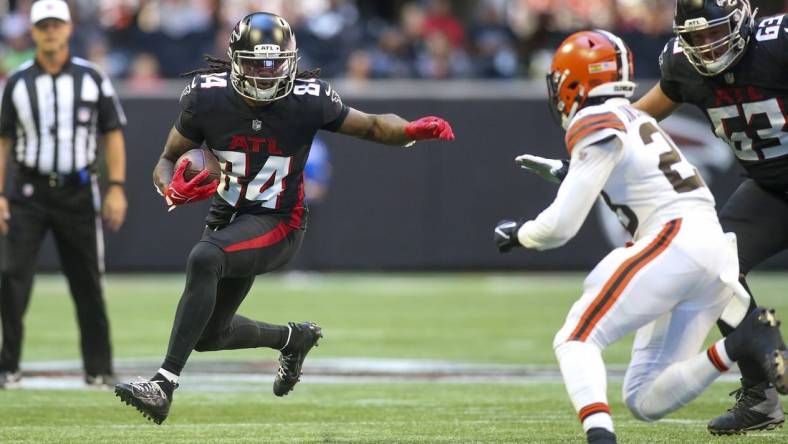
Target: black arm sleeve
<point>671,89</point>
<point>8,113</point>
<point>110,113</point>
<point>334,111</point>
<point>187,122</point>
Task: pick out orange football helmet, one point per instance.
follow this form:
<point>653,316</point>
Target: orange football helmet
<point>588,64</point>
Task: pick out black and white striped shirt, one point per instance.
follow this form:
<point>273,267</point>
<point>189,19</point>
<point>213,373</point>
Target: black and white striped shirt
<point>53,120</point>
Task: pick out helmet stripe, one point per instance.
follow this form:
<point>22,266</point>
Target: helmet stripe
<point>622,55</point>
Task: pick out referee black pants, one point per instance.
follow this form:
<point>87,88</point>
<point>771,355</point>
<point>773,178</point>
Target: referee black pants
<point>70,210</point>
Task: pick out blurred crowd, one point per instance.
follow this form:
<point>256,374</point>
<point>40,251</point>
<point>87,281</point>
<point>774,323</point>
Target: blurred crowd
<point>146,41</point>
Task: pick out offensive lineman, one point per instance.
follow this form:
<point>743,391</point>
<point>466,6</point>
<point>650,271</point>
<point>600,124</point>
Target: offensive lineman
<point>734,68</point>
<point>258,115</point>
<point>672,283</point>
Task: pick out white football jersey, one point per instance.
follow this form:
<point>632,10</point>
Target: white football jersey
<point>652,182</point>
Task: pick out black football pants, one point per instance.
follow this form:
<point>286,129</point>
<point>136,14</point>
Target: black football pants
<point>70,212</point>
<point>219,273</point>
<point>760,220</point>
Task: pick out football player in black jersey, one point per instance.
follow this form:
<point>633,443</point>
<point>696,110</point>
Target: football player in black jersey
<point>735,69</point>
<point>258,114</point>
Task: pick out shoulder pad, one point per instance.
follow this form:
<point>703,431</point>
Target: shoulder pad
<point>200,85</point>
<point>188,92</point>
<point>309,87</point>
<point>592,127</point>
<point>316,88</point>
<point>670,56</point>
<point>188,99</point>
<point>210,81</point>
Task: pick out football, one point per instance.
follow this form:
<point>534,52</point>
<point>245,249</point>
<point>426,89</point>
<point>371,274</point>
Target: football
<point>201,159</point>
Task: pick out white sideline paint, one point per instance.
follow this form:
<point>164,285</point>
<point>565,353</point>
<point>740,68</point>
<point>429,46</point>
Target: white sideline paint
<point>235,376</point>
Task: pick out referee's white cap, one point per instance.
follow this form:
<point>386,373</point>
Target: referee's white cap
<point>44,9</point>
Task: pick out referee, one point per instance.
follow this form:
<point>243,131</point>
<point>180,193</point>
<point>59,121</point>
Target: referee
<point>52,109</point>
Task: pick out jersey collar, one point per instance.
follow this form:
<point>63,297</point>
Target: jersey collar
<point>66,66</point>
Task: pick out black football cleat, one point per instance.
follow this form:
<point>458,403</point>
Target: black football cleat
<point>758,338</point>
<point>303,337</point>
<point>152,398</point>
<point>757,408</point>
<point>598,435</point>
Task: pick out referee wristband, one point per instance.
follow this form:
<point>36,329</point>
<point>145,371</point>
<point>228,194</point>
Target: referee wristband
<point>116,183</point>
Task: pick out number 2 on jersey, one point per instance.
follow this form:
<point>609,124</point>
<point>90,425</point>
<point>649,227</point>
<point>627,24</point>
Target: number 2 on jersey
<point>671,163</point>
<point>266,185</point>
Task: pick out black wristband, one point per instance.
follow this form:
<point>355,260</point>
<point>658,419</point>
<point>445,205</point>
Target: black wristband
<point>116,183</point>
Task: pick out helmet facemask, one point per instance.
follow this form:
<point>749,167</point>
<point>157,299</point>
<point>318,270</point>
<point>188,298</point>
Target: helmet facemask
<point>265,74</point>
<point>558,107</point>
<point>712,46</point>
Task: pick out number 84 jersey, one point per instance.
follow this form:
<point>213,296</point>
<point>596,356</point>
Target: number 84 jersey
<point>746,105</point>
<point>262,150</point>
<point>643,176</point>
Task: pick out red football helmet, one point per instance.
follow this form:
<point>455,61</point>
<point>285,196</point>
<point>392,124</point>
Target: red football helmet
<point>588,64</point>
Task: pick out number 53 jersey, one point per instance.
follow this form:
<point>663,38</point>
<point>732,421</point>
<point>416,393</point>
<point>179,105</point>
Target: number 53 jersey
<point>747,104</point>
<point>262,150</point>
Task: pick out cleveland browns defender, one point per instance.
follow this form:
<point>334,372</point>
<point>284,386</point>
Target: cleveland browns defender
<point>734,68</point>
<point>258,114</point>
<point>676,279</point>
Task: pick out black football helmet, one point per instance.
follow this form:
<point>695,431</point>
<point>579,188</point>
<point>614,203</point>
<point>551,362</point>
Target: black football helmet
<point>263,56</point>
<point>713,33</point>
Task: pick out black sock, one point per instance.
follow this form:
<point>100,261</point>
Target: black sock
<point>751,371</point>
<point>164,383</point>
<point>245,333</point>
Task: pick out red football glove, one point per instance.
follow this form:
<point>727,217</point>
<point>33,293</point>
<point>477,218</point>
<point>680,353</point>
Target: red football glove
<point>180,192</point>
<point>429,127</point>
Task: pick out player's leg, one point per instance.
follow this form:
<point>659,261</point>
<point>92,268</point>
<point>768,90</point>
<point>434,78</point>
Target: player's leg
<point>213,260</point>
<point>228,330</point>
<point>76,225</point>
<point>666,370</point>
<point>26,231</point>
<point>209,261</point>
<point>630,288</point>
<point>760,221</point>
<point>204,269</point>
<point>255,254</point>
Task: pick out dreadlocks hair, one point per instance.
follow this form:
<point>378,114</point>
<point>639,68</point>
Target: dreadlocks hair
<point>217,65</point>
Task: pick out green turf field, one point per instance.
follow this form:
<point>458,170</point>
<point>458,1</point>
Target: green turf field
<point>466,318</point>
